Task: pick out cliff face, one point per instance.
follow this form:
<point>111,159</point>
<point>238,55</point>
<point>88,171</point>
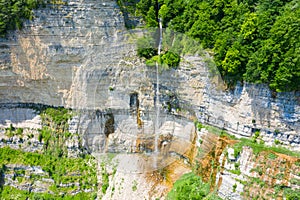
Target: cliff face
<point>57,51</point>
<point>79,55</point>
<point>252,108</point>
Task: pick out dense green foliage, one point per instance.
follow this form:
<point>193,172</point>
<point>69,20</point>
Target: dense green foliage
<point>61,170</point>
<point>147,49</point>
<point>13,12</point>
<point>166,60</point>
<point>11,193</point>
<point>171,59</point>
<point>255,41</point>
<point>190,186</point>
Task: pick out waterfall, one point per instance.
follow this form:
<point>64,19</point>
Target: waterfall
<point>157,98</point>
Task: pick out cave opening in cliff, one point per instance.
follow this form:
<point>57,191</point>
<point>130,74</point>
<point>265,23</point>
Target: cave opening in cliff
<point>134,102</point>
<point>109,127</point>
<point>134,107</point>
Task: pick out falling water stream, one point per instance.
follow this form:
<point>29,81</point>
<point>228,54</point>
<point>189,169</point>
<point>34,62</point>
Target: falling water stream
<point>156,151</point>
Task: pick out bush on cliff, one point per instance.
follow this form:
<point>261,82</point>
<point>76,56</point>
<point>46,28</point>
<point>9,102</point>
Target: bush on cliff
<point>191,186</point>
<point>13,13</point>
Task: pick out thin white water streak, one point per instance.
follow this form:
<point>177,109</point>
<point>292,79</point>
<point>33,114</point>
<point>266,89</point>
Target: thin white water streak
<point>157,97</point>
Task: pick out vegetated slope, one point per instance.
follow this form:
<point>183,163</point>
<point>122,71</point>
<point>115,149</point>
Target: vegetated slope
<point>255,41</point>
<point>48,169</point>
<point>13,12</point>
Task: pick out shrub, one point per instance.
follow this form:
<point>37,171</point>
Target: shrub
<point>19,131</point>
<point>146,47</point>
<point>171,59</point>
<point>134,186</point>
<point>272,156</point>
<point>199,126</point>
<point>234,187</point>
<point>255,136</point>
<point>147,52</point>
<point>59,116</point>
<point>190,186</point>
<point>152,61</point>
<point>276,141</point>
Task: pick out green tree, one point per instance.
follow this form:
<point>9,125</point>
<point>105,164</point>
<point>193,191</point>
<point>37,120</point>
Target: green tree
<point>151,17</point>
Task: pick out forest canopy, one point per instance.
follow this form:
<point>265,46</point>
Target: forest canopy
<point>13,12</point>
<point>256,41</point>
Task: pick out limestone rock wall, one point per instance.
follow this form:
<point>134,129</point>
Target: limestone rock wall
<point>51,58</point>
<point>80,55</point>
<point>252,108</point>
<point>242,111</point>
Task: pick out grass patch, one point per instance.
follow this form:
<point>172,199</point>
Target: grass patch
<point>272,156</point>
<point>218,131</point>
<point>57,168</point>
<point>295,181</point>
<point>105,178</point>
<point>191,186</point>
<point>235,171</point>
<point>9,193</point>
<point>258,147</point>
<point>215,130</point>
